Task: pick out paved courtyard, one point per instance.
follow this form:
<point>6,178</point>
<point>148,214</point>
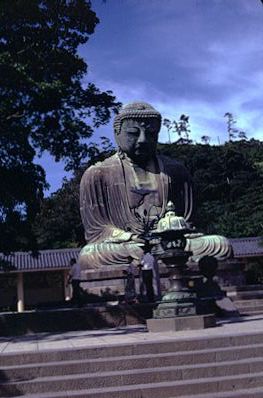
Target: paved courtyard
<point>123,335</point>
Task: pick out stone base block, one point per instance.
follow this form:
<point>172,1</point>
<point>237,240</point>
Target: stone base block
<point>92,317</point>
<point>181,323</point>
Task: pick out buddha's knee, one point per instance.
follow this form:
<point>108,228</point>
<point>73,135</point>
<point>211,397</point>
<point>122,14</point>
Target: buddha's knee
<point>96,255</point>
<point>209,245</point>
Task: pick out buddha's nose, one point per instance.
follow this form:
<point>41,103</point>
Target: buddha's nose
<point>142,137</point>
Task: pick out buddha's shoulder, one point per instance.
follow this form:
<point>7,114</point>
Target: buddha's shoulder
<point>102,168</point>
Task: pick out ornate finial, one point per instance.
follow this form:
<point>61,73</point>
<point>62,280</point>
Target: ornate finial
<point>170,207</point>
<point>135,110</point>
<point>171,221</point>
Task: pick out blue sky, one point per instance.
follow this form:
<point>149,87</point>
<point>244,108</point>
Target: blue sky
<point>202,58</point>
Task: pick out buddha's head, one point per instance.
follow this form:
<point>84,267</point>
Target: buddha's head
<point>136,130</point>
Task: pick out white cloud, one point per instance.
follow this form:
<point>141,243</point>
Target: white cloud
<point>205,118</point>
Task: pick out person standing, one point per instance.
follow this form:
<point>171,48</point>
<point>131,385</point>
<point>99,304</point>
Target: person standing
<point>75,279</point>
<point>130,289</point>
<point>147,267</point>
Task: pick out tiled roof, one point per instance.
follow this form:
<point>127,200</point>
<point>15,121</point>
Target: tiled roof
<point>247,247</point>
<point>46,260</point>
<point>60,258</point>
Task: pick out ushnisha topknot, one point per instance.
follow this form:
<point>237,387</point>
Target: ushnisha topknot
<point>135,110</point>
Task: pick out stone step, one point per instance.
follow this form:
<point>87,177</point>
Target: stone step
<point>182,374</point>
<point>248,310</point>
<point>244,393</point>
<point>186,367</point>
<point>249,307</point>
<point>34,370</point>
<point>213,387</point>
<point>252,313</point>
<point>136,348</point>
<point>249,303</point>
<point>258,294</point>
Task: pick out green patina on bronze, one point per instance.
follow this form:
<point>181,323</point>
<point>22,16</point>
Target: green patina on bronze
<point>125,195</point>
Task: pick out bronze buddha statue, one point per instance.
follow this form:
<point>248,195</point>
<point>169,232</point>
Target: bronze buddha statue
<point>121,196</point>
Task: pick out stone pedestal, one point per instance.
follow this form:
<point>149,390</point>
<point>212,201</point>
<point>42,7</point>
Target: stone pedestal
<point>189,303</point>
<point>182,303</point>
<point>175,324</point>
<point>180,298</point>
<point>180,307</point>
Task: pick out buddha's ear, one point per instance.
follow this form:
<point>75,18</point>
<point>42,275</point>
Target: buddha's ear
<point>117,137</point>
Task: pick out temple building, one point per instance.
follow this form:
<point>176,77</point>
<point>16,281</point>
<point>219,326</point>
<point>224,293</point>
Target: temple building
<point>27,282</point>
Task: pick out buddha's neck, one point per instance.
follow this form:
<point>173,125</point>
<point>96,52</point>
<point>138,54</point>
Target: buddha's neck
<point>145,174</point>
<point>150,165</point>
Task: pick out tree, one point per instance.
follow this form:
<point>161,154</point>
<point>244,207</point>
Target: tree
<point>180,127</point>
<point>232,131</point>
<point>228,181</point>
<point>168,124</point>
<point>206,139</point>
<point>45,106</point>
<point>58,224</point>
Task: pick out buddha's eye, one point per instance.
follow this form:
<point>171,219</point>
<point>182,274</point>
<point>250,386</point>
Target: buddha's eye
<point>133,131</point>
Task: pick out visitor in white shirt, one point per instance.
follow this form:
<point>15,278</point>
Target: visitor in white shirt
<point>147,267</point>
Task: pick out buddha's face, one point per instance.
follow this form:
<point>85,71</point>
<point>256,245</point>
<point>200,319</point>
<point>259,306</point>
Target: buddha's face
<point>138,138</point>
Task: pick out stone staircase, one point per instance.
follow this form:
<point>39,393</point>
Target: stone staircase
<point>208,367</point>
<point>249,307</point>
<point>247,299</point>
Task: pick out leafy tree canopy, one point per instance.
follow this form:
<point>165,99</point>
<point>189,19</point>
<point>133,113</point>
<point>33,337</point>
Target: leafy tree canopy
<point>58,224</point>
<point>45,105</point>
<point>228,181</point>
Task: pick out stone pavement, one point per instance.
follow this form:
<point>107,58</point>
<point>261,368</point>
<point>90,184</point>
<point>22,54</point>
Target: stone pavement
<point>123,335</point>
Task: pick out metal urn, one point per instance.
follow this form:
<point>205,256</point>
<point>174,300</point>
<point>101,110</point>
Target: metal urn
<point>170,242</point>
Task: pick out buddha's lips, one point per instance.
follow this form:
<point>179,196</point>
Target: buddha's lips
<point>143,149</point>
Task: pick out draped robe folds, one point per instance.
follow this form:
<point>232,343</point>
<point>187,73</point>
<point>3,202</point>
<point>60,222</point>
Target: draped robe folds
<point>109,205</point>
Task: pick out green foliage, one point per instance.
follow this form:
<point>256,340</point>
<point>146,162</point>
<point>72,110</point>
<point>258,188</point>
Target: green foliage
<point>58,224</point>
<point>205,139</point>
<point>45,106</point>
<point>232,130</point>
<point>228,182</point>
<point>180,127</point>
<point>6,265</point>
